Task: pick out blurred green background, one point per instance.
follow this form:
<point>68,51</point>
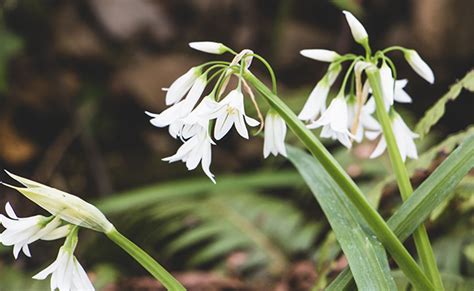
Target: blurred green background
<point>77,76</point>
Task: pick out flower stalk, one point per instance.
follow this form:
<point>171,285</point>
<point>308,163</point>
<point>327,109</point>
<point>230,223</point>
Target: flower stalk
<point>152,266</point>
<point>420,236</point>
<point>386,236</point>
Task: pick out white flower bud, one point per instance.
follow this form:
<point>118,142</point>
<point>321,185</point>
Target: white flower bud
<point>209,47</point>
<point>358,31</point>
<point>320,55</point>
<point>419,66</point>
<point>68,207</point>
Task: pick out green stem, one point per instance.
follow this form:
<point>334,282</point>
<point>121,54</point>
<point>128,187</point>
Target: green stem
<point>420,236</point>
<point>152,266</point>
<point>374,220</point>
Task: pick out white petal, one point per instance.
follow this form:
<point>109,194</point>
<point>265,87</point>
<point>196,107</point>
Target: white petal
<point>387,84</point>
<point>222,126</point>
<point>180,86</point>
<point>10,212</point>
<point>379,149</point>
<point>320,55</point>
<point>400,95</point>
<point>81,280</point>
<point>358,31</point>
<point>250,121</point>
<point>240,126</point>
<point>316,101</point>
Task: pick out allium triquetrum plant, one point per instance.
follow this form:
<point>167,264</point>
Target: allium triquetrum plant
<point>369,85</point>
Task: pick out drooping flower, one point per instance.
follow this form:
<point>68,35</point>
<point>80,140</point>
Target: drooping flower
<point>357,29</point>
<point>316,102</point>
<point>182,85</point>
<point>320,55</point>
<point>334,121</point>
<point>20,232</point>
<point>419,66</point>
<point>66,206</point>
<point>274,135</point>
<point>231,112</point>
<point>404,138</point>
<point>182,108</point>
<point>196,149</point>
<point>66,272</point>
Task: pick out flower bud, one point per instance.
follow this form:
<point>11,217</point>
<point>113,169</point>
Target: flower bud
<point>358,31</point>
<point>320,55</point>
<point>419,66</point>
<point>209,47</point>
<point>68,207</point>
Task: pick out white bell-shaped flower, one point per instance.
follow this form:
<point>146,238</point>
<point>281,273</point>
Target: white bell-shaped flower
<point>316,102</point>
<point>274,135</point>
<point>419,66</point>
<point>20,232</point>
<point>182,108</point>
<point>404,138</point>
<point>232,112</point>
<point>182,85</point>
<point>66,272</point>
<point>195,150</point>
<point>335,121</point>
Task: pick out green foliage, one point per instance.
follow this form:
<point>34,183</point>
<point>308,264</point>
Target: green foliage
<point>364,252</point>
<point>435,113</point>
<point>431,193</point>
<point>216,220</point>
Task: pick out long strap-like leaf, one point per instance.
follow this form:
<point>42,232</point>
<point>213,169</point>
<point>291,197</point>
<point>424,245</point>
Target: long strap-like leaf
<point>364,252</point>
<point>424,200</point>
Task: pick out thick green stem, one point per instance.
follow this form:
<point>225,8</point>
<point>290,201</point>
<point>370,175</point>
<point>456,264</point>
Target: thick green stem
<point>374,220</point>
<point>420,236</point>
<point>145,260</point>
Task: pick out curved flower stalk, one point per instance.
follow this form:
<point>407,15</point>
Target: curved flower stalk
<point>68,212</point>
<point>380,81</point>
<point>201,121</point>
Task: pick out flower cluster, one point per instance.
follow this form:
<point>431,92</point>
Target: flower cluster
<point>348,117</point>
<point>68,213</point>
<point>201,121</point>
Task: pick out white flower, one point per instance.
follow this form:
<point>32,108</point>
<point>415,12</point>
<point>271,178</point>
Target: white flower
<point>182,108</point>
<point>274,135</point>
<point>400,95</point>
<point>66,273</point>
<point>387,83</point>
<point>404,138</point>
<point>180,86</point>
<point>419,66</point>
<point>210,47</point>
<point>316,102</point>
<point>334,121</point>
<point>66,206</point>
<point>20,232</point>
<point>366,122</point>
<point>320,55</point>
<point>231,111</point>
<point>358,31</point>
<point>194,150</point>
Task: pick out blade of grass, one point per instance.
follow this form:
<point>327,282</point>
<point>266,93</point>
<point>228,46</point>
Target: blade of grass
<point>366,256</point>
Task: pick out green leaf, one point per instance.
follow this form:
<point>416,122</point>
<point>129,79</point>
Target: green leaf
<point>154,194</point>
<point>365,254</point>
<point>431,193</point>
<point>435,113</point>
